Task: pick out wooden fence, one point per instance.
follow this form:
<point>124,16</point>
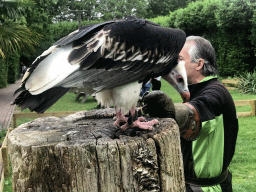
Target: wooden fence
<point>246,102</point>
<point>4,161</point>
<point>230,83</point>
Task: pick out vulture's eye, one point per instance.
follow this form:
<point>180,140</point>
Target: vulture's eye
<point>180,79</point>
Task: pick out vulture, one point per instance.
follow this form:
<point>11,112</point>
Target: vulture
<point>111,59</point>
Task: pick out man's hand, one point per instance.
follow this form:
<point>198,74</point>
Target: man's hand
<point>158,104</point>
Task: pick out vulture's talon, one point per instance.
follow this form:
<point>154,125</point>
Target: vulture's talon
<point>145,125</point>
<point>142,119</point>
<point>142,125</point>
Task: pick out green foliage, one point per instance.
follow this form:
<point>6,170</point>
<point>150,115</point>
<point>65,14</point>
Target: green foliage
<point>253,30</point>
<point>235,53</point>
<point>38,21</point>
<point>247,83</point>
<point>15,37</point>
<point>13,9</point>
<point>9,69</point>
<point>14,34</point>
<point>111,9</point>
<point>2,134</point>
<point>163,7</point>
<point>3,73</point>
<point>161,20</point>
<point>13,62</point>
<point>62,29</point>
<point>230,25</point>
<point>197,18</point>
<point>7,184</point>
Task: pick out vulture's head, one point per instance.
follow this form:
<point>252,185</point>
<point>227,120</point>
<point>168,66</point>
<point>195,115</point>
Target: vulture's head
<point>178,79</point>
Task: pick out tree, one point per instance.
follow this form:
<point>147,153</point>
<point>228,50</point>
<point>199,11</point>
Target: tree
<point>110,9</point>
<point>229,25</point>
<point>14,34</point>
<point>164,7</point>
<point>64,10</point>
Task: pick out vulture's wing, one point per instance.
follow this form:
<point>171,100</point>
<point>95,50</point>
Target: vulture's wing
<point>104,56</point>
<point>123,52</point>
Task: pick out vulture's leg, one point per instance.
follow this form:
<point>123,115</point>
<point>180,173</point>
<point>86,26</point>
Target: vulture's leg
<point>140,122</point>
<point>120,119</point>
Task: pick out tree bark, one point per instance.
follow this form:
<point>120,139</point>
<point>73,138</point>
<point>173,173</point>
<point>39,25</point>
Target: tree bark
<point>83,152</point>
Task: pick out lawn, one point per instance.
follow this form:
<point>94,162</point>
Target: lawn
<point>244,161</point>
<point>243,165</point>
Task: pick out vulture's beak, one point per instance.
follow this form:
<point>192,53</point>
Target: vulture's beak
<point>185,96</point>
<point>178,79</point>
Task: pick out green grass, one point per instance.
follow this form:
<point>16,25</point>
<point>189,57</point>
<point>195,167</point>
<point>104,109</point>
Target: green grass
<point>169,90</point>
<point>241,96</point>
<point>244,161</point>
<point>243,165</point>
<point>236,95</point>
<point>2,135</point>
<point>8,181</point>
<point>66,103</point>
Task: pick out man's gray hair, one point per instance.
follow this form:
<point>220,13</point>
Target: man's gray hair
<point>202,49</point>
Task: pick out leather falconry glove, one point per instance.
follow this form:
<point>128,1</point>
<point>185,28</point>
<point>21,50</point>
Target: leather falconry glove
<point>159,104</point>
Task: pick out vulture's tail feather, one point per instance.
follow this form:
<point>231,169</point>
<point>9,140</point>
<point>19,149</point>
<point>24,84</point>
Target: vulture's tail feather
<point>40,103</point>
<point>19,89</point>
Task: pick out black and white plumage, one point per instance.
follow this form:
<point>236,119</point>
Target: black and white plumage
<point>111,58</point>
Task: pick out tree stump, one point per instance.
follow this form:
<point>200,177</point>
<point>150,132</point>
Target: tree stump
<point>84,152</point>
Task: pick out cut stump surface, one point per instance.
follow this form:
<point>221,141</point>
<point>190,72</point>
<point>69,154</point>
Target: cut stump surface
<point>78,153</point>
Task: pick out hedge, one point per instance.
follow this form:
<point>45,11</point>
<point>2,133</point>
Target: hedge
<point>3,73</point>
<point>9,69</point>
<point>62,29</point>
<point>230,25</point>
<point>13,62</point>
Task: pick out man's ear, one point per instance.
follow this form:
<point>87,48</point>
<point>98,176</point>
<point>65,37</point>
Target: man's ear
<point>200,64</point>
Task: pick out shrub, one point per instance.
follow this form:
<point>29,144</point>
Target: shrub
<point>235,49</point>
<point>197,18</point>
<point>161,20</point>
<point>3,73</point>
<point>230,25</point>
<point>62,29</point>
<point>247,83</point>
<point>13,63</point>
<point>9,69</point>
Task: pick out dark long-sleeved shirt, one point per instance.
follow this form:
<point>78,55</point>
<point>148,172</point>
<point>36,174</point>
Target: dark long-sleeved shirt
<point>213,150</point>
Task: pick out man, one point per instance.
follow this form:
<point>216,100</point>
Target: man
<point>145,88</point>
<point>208,122</point>
<point>23,68</point>
<point>156,83</point>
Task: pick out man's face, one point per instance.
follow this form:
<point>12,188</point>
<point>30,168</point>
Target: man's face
<point>190,67</point>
